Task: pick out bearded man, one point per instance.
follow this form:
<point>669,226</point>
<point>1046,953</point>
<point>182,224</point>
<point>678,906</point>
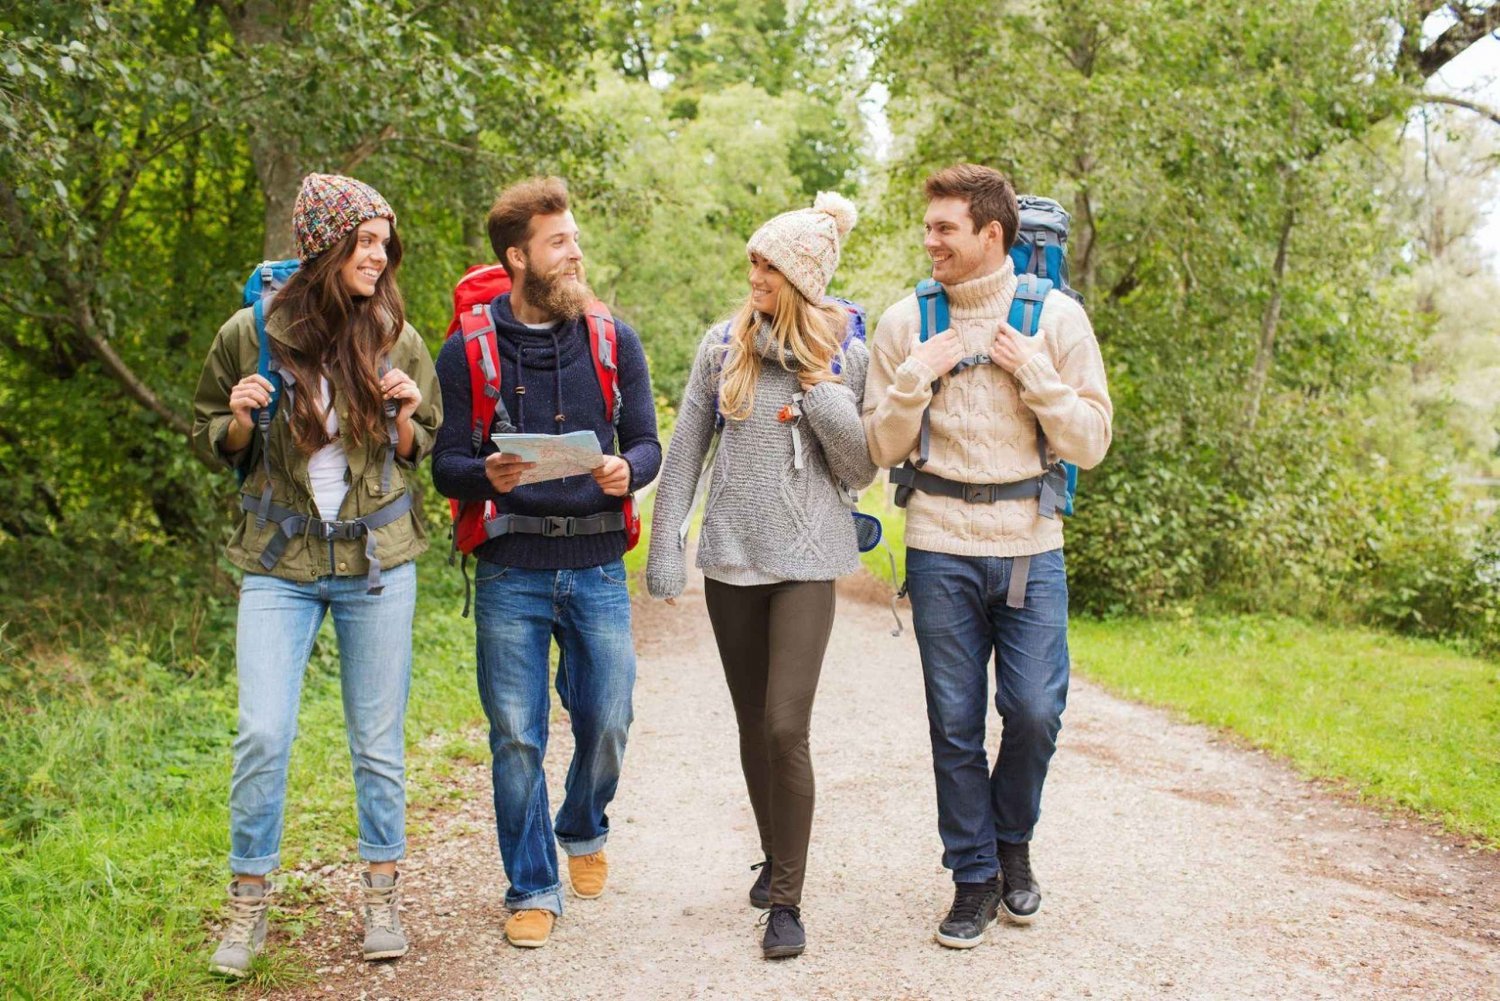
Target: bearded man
<point>555,570</point>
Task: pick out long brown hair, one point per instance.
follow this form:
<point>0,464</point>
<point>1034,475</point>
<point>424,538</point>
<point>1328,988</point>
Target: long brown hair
<point>812,333</point>
<point>331,333</point>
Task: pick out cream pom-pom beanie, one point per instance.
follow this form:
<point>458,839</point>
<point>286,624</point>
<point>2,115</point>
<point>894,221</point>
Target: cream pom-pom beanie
<point>804,244</point>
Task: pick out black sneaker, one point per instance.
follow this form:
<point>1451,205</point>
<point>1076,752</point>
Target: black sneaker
<point>1019,893</point>
<point>760,892</point>
<point>975,907</point>
<point>785,936</point>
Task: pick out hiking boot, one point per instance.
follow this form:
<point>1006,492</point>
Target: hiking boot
<point>1019,893</point>
<point>760,890</point>
<point>975,907</point>
<point>587,873</point>
<point>383,936</point>
<point>245,931</point>
<point>785,936</point>
<point>529,929</point>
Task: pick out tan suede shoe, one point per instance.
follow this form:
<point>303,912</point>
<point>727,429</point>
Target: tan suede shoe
<point>529,929</point>
<point>588,873</point>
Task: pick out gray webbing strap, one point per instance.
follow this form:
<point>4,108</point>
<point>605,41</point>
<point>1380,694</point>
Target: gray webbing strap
<point>1015,595</point>
<point>970,362</point>
<point>291,523</point>
<point>392,408</point>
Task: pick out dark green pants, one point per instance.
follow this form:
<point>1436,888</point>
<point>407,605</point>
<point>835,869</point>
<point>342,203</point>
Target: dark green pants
<point>771,639</point>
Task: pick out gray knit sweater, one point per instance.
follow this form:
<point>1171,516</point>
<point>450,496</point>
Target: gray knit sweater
<point>763,513</point>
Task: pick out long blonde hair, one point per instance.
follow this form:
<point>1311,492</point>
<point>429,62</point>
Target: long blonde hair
<point>813,334</point>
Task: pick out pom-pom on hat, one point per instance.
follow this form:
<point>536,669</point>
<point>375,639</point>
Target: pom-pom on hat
<point>329,207</point>
<point>804,245</point>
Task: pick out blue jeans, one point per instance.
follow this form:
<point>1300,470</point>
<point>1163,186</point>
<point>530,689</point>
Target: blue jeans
<point>517,614</point>
<point>960,618</point>
<point>278,622</point>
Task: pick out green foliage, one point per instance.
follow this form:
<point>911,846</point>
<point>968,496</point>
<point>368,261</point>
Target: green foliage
<point>1399,721</point>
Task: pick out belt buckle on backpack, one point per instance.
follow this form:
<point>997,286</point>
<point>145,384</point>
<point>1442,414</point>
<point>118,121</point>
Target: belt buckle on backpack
<point>556,525</point>
<point>976,493</point>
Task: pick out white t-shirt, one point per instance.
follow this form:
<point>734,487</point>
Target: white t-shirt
<point>328,466</point>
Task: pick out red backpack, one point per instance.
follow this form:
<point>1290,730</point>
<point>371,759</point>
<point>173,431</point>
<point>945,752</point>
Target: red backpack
<point>472,296</point>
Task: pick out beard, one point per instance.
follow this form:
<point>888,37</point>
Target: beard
<point>564,298</point>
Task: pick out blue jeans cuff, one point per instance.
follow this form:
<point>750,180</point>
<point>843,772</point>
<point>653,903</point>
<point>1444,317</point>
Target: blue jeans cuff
<point>588,847</point>
<point>549,899</point>
<point>382,853</point>
<point>978,874</point>
<point>263,866</point>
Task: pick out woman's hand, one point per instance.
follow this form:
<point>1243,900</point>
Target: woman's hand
<point>253,392</point>
<point>397,385</point>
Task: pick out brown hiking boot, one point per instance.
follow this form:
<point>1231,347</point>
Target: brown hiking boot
<point>529,929</point>
<point>588,873</point>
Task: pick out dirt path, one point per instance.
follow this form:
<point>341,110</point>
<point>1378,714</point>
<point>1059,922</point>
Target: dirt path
<point>1174,864</point>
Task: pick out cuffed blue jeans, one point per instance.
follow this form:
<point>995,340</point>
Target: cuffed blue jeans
<point>517,613</point>
<point>961,620</point>
<point>278,622</point>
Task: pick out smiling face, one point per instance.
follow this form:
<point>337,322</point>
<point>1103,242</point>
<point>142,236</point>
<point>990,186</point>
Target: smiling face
<point>958,252</point>
<point>368,261</point>
<point>548,268</point>
<point>766,284</point>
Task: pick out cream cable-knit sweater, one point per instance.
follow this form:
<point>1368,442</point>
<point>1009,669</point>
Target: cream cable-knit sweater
<point>984,422</point>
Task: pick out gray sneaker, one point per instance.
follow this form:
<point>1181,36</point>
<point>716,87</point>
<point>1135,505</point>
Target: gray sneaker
<point>383,936</point>
<point>245,933</point>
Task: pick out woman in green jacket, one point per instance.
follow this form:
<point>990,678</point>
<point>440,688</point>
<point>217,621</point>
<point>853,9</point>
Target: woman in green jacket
<point>326,524</point>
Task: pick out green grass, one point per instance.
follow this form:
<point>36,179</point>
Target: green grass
<point>114,786</point>
<point>1398,721</point>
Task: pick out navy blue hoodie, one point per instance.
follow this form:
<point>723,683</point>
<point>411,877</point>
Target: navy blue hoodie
<point>556,368</point>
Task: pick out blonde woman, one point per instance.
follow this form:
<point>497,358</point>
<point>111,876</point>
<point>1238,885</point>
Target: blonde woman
<point>787,388</point>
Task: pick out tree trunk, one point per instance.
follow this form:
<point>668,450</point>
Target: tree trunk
<point>1266,352</point>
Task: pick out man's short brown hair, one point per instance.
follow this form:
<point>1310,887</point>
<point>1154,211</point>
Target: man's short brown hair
<point>989,194</point>
<point>510,217</point>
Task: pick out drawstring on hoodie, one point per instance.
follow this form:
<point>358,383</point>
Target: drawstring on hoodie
<point>557,376</point>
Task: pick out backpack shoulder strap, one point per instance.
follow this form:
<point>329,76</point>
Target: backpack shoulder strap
<point>604,345</point>
<point>1026,305</point>
<point>478,331</point>
<point>932,304</point>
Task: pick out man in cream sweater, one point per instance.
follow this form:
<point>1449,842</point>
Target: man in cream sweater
<point>985,575</point>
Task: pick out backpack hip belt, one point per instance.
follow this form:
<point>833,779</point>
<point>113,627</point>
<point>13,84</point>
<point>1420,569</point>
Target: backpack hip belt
<point>291,523</point>
<point>1046,489</point>
<point>555,526</point>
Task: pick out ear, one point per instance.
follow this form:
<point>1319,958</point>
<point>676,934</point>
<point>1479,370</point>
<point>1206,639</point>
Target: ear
<point>515,260</point>
<point>994,232</point>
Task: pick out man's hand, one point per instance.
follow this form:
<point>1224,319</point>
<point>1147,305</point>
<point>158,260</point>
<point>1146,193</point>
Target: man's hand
<point>940,353</point>
<point>504,470</point>
<point>613,476</point>
<point>1012,349</point>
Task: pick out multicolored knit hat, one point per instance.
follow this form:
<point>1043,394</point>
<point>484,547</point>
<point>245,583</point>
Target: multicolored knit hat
<point>804,245</point>
<point>329,207</point>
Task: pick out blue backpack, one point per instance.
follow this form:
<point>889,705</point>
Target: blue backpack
<point>1040,261</point>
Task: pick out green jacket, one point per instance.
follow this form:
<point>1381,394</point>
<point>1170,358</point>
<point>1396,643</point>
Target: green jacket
<point>234,355</point>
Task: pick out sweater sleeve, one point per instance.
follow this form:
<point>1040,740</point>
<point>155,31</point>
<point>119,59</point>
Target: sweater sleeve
<point>639,444</point>
<point>832,410</point>
<point>1070,399</point>
<point>898,389</point>
<point>666,566</point>
<point>456,471</point>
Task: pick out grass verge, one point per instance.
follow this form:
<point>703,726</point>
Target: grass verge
<point>114,787</point>
<point>1396,720</point>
